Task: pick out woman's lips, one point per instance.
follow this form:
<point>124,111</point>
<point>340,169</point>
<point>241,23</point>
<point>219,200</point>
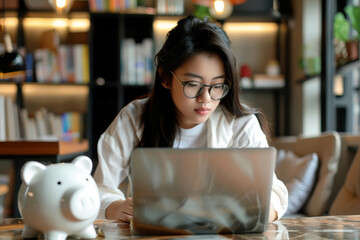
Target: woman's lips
<point>202,111</point>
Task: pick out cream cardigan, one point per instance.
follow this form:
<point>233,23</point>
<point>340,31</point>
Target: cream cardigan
<point>223,130</point>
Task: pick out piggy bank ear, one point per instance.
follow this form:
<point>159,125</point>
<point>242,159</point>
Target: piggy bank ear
<point>31,169</point>
<point>83,162</point>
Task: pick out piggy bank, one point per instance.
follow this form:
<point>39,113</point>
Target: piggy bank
<point>59,200</point>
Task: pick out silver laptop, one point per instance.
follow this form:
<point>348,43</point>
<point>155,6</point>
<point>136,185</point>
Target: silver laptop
<point>201,191</point>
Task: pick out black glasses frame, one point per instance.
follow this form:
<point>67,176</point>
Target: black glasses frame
<point>227,87</point>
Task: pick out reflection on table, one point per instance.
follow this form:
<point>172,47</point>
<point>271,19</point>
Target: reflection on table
<point>325,227</point>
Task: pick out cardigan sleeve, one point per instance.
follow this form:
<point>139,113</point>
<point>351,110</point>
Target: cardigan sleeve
<point>248,133</point>
<point>114,149</point>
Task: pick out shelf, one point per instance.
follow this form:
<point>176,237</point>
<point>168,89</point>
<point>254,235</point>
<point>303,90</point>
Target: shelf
<point>270,17</point>
<point>137,86</point>
<point>308,77</point>
<point>123,13</point>
<point>255,90</point>
<point>39,147</point>
<point>53,14</point>
<point>45,84</point>
<point>347,67</point>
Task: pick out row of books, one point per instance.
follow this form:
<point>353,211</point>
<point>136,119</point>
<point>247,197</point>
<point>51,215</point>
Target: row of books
<point>16,123</point>
<point>111,5</point>
<point>68,64</point>
<point>136,61</point>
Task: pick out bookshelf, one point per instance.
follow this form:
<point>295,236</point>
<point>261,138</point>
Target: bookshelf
<point>107,89</point>
<point>55,50</point>
<point>110,90</point>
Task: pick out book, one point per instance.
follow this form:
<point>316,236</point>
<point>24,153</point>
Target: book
<point>40,123</point>
<point>139,64</point>
<point>29,125</point>
<point>16,121</point>
<point>70,76</point>
<point>78,63</point>
<point>62,62</point>
<point>85,61</point>
<point>128,61</point>
<point>29,65</point>
<point>81,63</point>
<point>41,65</point>
<point>55,124</point>
<point>10,119</point>
<point>148,55</point>
<point>33,134</point>
<point>2,119</point>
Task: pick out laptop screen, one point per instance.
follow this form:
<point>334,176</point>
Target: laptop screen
<point>201,191</point>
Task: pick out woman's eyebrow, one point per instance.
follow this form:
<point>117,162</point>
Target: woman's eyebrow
<point>198,76</point>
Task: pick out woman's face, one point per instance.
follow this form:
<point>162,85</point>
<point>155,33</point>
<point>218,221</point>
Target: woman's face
<point>207,69</point>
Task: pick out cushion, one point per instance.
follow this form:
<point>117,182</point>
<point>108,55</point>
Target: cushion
<point>298,175</point>
<point>327,146</point>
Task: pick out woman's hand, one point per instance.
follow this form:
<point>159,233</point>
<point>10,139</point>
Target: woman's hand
<point>273,214</point>
<point>120,210</point>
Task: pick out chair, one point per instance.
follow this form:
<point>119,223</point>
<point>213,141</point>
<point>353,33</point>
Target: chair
<point>347,202</point>
<point>349,145</point>
<point>327,146</point>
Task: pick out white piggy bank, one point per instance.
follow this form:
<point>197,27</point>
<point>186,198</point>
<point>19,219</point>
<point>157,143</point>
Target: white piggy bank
<point>59,200</point>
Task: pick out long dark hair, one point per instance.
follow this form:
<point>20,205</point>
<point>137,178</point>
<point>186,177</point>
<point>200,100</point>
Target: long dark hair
<point>191,36</point>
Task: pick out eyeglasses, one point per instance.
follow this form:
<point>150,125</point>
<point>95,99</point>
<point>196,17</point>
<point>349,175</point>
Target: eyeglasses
<point>193,89</point>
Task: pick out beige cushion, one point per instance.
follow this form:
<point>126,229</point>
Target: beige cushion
<point>348,199</point>
<point>298,175</point>
<point>327,147</point>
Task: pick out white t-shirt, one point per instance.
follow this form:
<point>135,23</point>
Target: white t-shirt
<point>191,138</point>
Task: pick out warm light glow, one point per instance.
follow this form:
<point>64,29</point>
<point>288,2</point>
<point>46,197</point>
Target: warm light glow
<point>60,23</point>
<point>60,3</point>
<point>45,22</point>
<point>55,90</point>
<point>8,90</point>
<point>164,25</point>
<point>219,6</point>
<point>221,9</point>
<point>250,27</point>
<point>10,21</point>
<point>79,24</point>
<point>338,85</point>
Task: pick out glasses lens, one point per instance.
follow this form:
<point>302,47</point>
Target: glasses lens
<point>193,89</point>
<point>218,91</point>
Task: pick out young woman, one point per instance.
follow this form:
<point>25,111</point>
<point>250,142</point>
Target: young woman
<point>194,103</point>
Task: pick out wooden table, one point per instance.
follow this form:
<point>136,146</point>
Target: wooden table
<point>44,151</point>
<point>326,227</point>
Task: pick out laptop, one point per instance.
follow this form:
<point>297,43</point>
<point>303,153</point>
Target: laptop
<point>201,191</point>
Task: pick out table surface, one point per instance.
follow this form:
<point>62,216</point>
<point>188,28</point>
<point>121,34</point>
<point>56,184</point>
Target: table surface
<point>325,227</point>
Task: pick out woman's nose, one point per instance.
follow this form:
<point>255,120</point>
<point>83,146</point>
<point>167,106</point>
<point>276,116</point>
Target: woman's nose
<point>204,96</point>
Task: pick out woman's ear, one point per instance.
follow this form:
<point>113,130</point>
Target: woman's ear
<point>165,81</point>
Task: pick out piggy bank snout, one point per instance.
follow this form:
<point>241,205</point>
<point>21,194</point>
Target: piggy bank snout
<point>80,204</point>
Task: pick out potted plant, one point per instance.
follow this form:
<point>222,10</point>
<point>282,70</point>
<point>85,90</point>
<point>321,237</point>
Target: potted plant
<point>342,30</point>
